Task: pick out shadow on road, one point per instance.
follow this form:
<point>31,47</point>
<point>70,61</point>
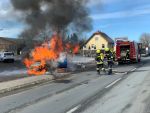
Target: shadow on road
<point>63,81</point>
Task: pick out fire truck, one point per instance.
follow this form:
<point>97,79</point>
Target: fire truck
<point>127,51</point>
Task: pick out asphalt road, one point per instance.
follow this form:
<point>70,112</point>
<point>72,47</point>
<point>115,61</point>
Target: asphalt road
<point>75,93</point>
<point>132,95</point>
<point>9,71</point>
<point>57,97</point>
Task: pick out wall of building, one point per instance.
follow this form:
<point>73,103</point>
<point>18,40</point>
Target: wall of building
<point>97,42</point>
<point>7,45</point>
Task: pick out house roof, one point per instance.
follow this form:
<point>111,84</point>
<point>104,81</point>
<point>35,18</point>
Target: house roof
<point>103,35</point>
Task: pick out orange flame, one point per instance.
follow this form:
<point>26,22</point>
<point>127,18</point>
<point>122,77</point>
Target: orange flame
<point>76,49</point>
<point>47,51</point>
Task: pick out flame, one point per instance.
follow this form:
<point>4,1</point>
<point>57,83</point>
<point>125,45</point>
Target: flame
<point>76,49</point>
<point>48,51</point>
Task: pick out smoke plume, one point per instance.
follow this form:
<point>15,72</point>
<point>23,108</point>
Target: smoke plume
<point>55,15</point>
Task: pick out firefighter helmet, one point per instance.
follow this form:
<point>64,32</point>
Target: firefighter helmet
<point>107,49</point>
<point>98,51</point>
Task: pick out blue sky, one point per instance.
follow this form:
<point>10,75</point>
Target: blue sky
<point>122,18</point>
<point>117,18</point>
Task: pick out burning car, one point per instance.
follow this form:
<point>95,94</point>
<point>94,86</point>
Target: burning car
<point>49,56</point>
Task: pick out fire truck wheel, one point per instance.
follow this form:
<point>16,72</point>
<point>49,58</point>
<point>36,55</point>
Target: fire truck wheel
<point>139,60</point>
<point>119,63</point>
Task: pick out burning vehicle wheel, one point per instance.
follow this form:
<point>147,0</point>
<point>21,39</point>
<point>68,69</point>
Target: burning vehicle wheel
<point>37,69</point>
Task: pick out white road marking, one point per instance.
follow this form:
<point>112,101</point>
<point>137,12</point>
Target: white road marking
<point>133,69</point>
<point>121,73</point>
<point>113,83</point>
<point>74,109</point>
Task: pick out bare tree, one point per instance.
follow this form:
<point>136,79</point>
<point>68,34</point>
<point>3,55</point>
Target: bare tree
<point>145,39</point>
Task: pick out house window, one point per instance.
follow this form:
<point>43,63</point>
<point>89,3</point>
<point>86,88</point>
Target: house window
<point>93,46</point>
<point>103,45</point>
<point>89,47</point>
<point>96,38</point>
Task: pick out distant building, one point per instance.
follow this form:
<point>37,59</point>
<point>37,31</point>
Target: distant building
<point>98,40</point>
<point>8,44</point>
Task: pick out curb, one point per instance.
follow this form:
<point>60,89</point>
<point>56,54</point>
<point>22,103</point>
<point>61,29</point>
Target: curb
<point>12,85</point>
<point>22,83</point>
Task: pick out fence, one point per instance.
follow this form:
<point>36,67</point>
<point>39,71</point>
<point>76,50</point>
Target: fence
<point>88,53</point>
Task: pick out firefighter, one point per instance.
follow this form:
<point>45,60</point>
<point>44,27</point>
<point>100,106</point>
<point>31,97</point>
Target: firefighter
<point>127,55</point>
<point>113,54</point>
<point>109,57</point>
<point>99,60</point>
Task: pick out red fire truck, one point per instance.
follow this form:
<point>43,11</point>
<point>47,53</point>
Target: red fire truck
<point>127,51</point>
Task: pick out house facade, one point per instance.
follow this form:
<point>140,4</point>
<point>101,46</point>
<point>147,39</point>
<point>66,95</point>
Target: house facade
<point>7,44</point>
<point>98,40</point>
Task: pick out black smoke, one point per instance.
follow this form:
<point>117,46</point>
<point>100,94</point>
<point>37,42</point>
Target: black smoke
<point>55,15</point>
